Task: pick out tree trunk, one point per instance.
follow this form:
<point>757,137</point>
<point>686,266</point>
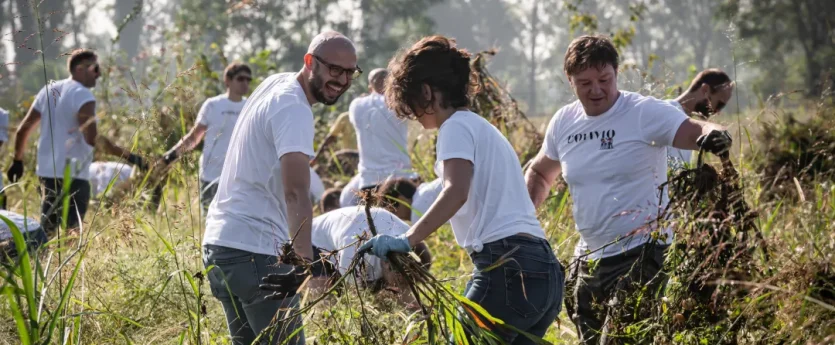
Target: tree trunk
<point>532,106</point>
<point>27,42</point>
<point>129,36</point>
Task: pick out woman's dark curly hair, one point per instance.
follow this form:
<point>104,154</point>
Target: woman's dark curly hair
<point>434,61</point>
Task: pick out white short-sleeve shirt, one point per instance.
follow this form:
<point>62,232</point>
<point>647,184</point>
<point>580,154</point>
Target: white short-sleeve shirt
<point>614,164</point>
<point>341,229</point>
<point>498,205</point>
<point>61,140</point>
<point>219,115</point>
<point>677,158</point>
<point>249,212</point>
<point>381,141</point>
<point>425,196</point>
<point>317,187</point>
<point>102,173</point>
<point>24,224</point>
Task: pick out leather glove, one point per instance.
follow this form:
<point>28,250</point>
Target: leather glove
<point>381,245</point>
<point>137,161</point>
<point>15,171</point>
<point>716,142</point>
<point>284,285</point>
<point>170,156</point>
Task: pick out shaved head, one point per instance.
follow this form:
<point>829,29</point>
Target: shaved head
<point>377,79</point>
<point>328,40</point>
<point>330,67</point>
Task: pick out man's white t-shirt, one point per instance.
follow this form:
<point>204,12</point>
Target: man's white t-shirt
<point>102,173</point>
<point>219,115</point>
<point>340,230</point>
<point>613,164</point>
<point>4,131</point>
<point>61,140</point>
<point>317,187</point>
<point>425,196</point>
<point>381,140</point>
<point>498,205</point>
<point>24,224</point>
<point>249,211</point>
<point>677,158</point>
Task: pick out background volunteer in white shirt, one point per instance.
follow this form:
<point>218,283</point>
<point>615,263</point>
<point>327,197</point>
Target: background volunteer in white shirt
<point>263,198</point>
<point>610,146</point>
<point>381,140</point>
<point>336,236</point>
<point>706,96</point>
<point>4,138</point>
<point>484,192</point>
<point>30,229</point>
<point>66,110</point>
<point>215,122</point>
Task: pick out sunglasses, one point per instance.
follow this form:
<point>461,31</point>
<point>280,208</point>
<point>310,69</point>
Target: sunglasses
<point>96,69</point>
<point>337,71</point>
<point>243,78</point>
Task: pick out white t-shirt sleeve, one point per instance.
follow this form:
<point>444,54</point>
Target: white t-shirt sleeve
<point>202,117</point>
<point>293,130</point>
<point>80,97</point>
<point>4,125</point>
<point>39,103</point>
<point>659,121</point>
<point>456,140</point>
<point>549,145</point>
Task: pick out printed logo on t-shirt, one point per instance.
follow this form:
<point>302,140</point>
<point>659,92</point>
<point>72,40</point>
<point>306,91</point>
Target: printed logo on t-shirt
<point>606,138</point>
<point>229,113</point>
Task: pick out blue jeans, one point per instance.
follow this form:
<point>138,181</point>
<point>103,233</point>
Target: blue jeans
<point>234,281</point>
<point>525,291</point>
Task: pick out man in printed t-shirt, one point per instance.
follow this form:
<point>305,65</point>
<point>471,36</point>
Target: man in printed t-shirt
<point>263,195</point>
<point>614,187</point>
<point>66,111</point>
<point>215,122</point>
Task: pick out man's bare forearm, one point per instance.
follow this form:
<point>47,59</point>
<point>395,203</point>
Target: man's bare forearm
<point>299,219</point>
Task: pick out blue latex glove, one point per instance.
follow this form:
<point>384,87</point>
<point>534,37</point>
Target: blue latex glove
<point>381,245</point>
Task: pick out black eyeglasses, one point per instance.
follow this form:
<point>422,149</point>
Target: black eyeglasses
<point>243,78</point>
<point>336,71</point>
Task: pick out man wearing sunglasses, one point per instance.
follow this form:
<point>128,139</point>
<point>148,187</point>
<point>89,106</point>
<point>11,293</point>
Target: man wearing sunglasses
<point>707,95</point>
<point>66,110</point>
<point>215,122</point>
<point>263,198</point>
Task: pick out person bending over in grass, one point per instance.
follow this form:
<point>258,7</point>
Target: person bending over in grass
<point>381,139</point>
<point>614,185</point>
<point>263,197</point>
<point>31,230</point>
<point>336,236</point>
<point>66,110</point>
<point>215,122</point>
<point>707,95</point>
<point>484,195</point>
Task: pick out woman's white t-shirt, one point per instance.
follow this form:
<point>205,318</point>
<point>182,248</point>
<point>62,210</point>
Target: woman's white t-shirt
<point>498,204</point>
<point>102,173</point>
<point>614,164</point>
<point>340,230</point>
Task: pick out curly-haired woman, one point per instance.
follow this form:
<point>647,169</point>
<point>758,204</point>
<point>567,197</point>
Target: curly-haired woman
<point>484,195</point>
